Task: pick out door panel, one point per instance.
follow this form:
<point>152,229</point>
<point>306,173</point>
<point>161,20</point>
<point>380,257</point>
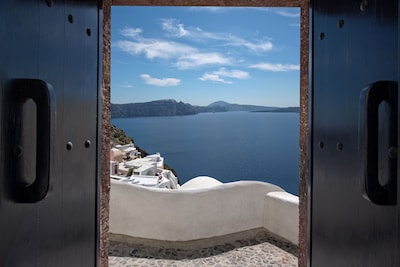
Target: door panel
<point>351,49</point>
<point>58,44</point>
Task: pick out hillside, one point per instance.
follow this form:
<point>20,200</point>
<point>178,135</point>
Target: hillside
<point>237,107</point>
<point>154,108</point>
<point>171,107</point>
<point>119,137</point>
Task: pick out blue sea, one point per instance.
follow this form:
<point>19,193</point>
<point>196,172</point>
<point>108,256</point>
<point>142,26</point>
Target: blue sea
<point>228,146</point>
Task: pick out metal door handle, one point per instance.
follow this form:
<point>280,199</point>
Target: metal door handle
<point>42,94</point>
<point>378,142</point>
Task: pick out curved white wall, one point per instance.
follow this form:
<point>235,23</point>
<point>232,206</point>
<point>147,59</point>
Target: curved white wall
<point>183,215</point>
<point>282,215</point>
<point>200,182</point>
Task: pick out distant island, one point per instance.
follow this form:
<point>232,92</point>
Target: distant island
<point>171,107</point>
<point>288,109</point>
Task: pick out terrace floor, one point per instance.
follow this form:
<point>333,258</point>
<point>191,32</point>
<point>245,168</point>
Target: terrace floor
<point>250,248</point>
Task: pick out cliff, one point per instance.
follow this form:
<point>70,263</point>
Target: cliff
<point>171,107</point>
<point>119,137</point>
<point>154,108</point>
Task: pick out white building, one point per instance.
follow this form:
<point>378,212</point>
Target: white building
<point>116,155</point>
<point>154,159</point>
<point>147,171</point>
<point>129,150</point>
<point>113,167</point>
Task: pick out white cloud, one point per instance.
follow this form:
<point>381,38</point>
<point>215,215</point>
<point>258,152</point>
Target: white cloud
<point>275,67</point>
<point>211,9</point>
<point>131,32</point>
<point>220,74</point>
<point>214,78</point>
<point>185,56</point>
<point>126,85</point>
<point>219,9</point>
<point>166,82</point>
<point>200,59</point>
<point>261,45</point>
<point>288,14</point>
<point>154,48</point>
<point>151,48</point>
<point>172,26</point>
<point>237,74</point>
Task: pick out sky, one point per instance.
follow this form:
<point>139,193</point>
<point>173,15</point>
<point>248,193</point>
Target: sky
<point>199,55</point>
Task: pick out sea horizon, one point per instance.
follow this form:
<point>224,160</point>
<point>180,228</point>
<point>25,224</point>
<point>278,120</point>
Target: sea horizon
<point>228,146</point>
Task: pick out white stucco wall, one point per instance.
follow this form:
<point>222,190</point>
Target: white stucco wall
<point>281,215</point>
<point>190,214</point>
<point>201,182</point>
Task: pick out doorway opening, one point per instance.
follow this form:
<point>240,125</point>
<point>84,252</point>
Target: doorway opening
<point>239,77</point>
<point>303,112</point>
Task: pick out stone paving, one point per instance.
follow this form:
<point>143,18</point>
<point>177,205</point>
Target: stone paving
<point>250,248</point>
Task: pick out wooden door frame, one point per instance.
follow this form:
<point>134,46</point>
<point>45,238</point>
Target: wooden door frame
<point>304,108</point>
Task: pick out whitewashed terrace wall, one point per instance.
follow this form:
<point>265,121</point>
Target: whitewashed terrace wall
<point>191,214</point>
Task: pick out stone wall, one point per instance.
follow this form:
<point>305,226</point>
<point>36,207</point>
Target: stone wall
<point>106,132</point>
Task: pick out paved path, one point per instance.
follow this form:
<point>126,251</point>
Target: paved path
<point>250,248</point>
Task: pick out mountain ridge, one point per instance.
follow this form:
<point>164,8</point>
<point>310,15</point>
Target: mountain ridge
<point>171,107</point>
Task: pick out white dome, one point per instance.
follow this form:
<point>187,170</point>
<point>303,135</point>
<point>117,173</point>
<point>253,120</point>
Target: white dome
<point>200,182</point>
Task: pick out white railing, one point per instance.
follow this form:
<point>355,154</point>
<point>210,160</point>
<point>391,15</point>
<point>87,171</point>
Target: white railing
<point>191,214</point>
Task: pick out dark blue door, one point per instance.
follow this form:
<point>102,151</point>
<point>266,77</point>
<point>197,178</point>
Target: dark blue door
<point>49,73</point>
<point>354,200</point>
